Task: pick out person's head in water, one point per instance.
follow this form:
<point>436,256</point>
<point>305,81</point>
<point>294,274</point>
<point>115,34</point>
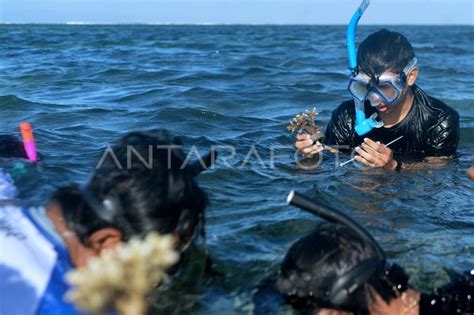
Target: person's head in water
<point>314,264</point>
<point>386,61</point>
<point>11,147</point>
<point>127,196</point>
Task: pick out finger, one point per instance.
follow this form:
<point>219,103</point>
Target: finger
<point>384,149</point>
<point>376,146</point>
<point>362,160</point>
<point>303,144</point>
<point>312,150</point>
<point>310,153</point>
<point>380,149</point>
<point>381,157</point>
<point>366,155</point>
<point>367,148</point>
<point>303,136</point>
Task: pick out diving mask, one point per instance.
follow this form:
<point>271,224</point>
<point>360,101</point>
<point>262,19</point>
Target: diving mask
<point>387,89</point>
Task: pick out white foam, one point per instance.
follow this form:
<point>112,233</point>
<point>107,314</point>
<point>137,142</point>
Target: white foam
<point>7,187</point>
<point>78,23</point>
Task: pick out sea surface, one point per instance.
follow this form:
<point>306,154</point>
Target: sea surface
<point>237,87</point>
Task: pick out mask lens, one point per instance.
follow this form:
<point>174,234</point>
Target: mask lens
<point>388,91</point>
<point>358,89</point>
<point>374,99</point>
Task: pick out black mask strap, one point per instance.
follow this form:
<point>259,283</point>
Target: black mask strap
<point>351,281</point>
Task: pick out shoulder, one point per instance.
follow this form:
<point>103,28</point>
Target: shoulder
<point>345,111</point>
<point>444,111</point>
<point>435,108</point>
<point>346,107</point>
<point>440,122</point>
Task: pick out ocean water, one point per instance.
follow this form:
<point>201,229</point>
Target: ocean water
<point>237,87</point>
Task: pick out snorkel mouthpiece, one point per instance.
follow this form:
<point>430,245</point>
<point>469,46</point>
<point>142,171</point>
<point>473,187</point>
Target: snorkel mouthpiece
<point>363,125</point>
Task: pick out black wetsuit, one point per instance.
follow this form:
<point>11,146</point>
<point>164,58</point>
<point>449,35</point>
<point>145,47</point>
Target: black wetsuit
<point>455,298</point>
<point>431,128</point>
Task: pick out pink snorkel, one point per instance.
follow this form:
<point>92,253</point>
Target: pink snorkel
<point>28,141</point>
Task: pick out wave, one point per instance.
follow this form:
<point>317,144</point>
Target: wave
<point>258,70</point>
<point>198,77</point>
<point>15,102</point>
<point>141,96</point>
<point>204,93</point>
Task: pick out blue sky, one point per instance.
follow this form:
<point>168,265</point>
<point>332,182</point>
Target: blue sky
<point>236,11</point>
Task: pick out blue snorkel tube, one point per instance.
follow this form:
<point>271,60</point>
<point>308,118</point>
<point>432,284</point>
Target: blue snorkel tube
<point>363,125</point>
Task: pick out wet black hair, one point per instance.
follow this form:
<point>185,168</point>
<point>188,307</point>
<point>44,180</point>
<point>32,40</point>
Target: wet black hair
<point>69,198</point>
<point>11,147</point>
<point>315,262</point>
<point>383,51</point>
<point>160,195</point>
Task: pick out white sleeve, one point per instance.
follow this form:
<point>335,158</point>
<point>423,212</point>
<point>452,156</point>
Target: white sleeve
<point>27,261</point>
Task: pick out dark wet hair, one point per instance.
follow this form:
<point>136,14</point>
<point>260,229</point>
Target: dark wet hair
<point>11,147</point>
<point>315,262</point>
<point>383,51</point>
<point>160,196</point>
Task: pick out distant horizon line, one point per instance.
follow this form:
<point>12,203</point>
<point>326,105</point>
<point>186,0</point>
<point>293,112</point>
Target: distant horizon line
<point>81,23</point>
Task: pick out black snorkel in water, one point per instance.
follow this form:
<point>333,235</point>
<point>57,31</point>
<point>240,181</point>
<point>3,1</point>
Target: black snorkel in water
<point>454,298</point>
<point>342,289</point>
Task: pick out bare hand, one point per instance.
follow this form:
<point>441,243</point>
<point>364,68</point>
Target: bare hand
<point>375,154</point>
<point>306,146</point>
<point>470,171</point>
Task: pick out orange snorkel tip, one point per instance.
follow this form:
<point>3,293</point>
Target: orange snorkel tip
<point>28,141</point>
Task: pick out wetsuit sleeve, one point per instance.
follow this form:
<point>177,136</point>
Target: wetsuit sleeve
<point>340,129</point>
<point>444,135</point>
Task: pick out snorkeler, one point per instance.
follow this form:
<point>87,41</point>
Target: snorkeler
<point>124,198</point>
<point>340,269</point>
<point>383,83</point>
<point>11,147</point>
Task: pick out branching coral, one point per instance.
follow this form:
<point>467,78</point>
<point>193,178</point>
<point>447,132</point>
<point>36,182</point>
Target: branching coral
<point>122,279</point>
<point>306,122</point>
